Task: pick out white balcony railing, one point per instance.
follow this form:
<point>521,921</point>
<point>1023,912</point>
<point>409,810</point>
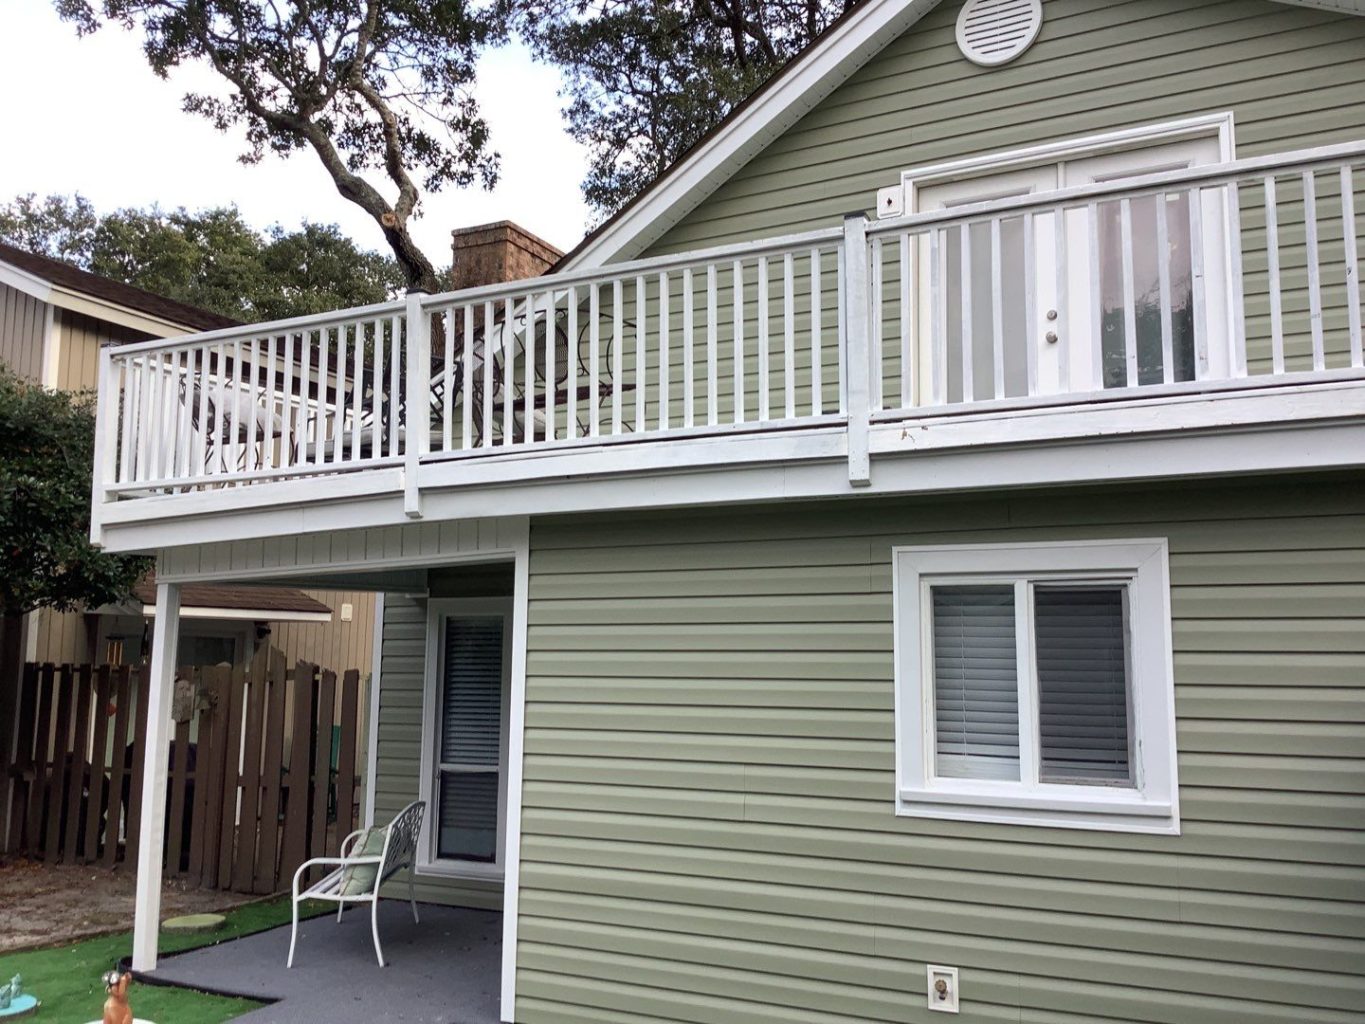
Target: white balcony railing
<point>1231,274</point>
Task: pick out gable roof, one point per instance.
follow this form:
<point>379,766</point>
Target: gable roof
<point>849,42</point>
<point>62,278</point>
<point>258,603</point>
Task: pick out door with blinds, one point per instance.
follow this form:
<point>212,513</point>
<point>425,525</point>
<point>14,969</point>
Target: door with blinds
<point>472,641</point>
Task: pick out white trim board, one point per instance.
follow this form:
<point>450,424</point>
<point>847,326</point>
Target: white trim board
<point>372,719</point>
<point>242,614</point>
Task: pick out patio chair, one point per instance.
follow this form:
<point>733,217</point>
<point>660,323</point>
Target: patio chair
<point>369,857</point>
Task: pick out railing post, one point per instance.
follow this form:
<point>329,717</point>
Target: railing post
<point>106,447</point>
<point>416,407</point>
<point>857,348</point>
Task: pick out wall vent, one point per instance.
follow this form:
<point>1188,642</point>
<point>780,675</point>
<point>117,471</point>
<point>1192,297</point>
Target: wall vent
<point>994,32</point>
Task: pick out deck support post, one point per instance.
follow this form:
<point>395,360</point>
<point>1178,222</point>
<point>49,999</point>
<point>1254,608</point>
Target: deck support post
<point>155,747</point>
<point>417,401</point>
<point>858,350</point>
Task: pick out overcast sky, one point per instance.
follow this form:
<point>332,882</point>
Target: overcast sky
<point>87,115</point>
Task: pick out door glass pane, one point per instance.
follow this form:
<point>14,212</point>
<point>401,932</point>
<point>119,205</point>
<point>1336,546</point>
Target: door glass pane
<point>981,321</point>
<point>1146,290</point>
<point>1083,705</point>
<point>469,816</point>
<point>976,696</point>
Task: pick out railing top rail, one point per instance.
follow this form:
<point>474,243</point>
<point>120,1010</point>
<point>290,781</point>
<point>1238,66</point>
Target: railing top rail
<point>1206,175</point>
<point>653,264</point>
<point>265,329</point>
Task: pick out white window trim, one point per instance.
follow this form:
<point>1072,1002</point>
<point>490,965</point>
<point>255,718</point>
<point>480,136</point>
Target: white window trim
<point>1084,146</point>
<point>1153,805</point>
<point>428,863</point>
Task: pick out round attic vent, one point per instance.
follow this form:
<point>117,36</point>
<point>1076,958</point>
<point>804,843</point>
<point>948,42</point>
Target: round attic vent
<point>992,32</point>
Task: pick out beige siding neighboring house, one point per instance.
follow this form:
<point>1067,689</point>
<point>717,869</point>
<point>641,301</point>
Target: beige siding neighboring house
<point>54,319</point>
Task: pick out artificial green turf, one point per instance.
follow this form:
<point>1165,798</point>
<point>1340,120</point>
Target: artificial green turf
<point>67,978</point>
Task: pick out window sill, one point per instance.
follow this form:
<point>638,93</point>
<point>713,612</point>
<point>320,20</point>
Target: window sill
<point>1115,811</point>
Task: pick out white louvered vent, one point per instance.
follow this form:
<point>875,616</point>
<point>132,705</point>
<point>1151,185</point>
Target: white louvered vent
<point>992,32</point>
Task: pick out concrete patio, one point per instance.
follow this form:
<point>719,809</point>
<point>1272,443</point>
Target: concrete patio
<point>443,970</point>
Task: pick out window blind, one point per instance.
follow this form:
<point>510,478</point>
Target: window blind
<point>471,739</point>
<point>976,690</point>
<point>471,705</point>
<point>1083,705</point>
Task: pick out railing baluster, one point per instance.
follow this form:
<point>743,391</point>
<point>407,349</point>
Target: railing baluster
<point>551,370</point>
<point>789,332</point>
<point>324,362</point>
<point>737,318</point>
<point>712,344</point>
<point>1031,302</point>
<point>153,390</point>
<point>816,345</point>
<point>339,416</point>
<point>488,374</point>
<point>1130,340</point>
<point>938,337</point>
<point>1348,225</point>
<point>571,356</point>
<point>509,372</point>
<point>1096,303</point>
<point>1236,287</point>
<point>397,423</point>
<point>907,312</point>
<point>357,388</point>
<point>665,381</point>
<point>379,415</point>
<point>618,344</point>
<point>287,435</point>
<point>235,453</point>
<point>184,399</point>
<point>271,361</point>
<point>689,370</point>
<point>876,355</point>
<point>1198,311</point>
<point>1163,272</point>
<point>1310,224</point>
<point>763,397</point>
<point>841,329</point>
<point>1272,248</point>
<point>594,358</point>
<point>964,234</point>
<point>641,369</point>
<point>997,313</point>
<point>303,434</point>
<point>1064,332</point>
<point>528,355</point>
<point>467,379</point>
<point>124,393</point>
<point>448,380</point>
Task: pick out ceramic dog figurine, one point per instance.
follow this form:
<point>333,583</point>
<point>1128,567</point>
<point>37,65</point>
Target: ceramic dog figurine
<point>116,1009</point>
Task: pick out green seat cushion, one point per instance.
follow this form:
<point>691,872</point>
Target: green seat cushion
<point>359,879</point>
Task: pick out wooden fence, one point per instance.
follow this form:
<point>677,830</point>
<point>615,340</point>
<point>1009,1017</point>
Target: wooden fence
<point>260,778</point>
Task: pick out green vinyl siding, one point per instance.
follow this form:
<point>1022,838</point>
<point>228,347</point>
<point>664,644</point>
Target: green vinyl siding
<point>708,832</point>
<point>1291,76</point>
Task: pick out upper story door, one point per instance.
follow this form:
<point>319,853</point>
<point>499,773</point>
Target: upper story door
<point>1109,298</point>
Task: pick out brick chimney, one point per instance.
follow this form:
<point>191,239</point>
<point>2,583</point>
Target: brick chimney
<point>498,252</point>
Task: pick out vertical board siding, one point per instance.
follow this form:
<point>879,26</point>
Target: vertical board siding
<point>1290,75</point>
<point>23,325</point>
<point>708,826</point>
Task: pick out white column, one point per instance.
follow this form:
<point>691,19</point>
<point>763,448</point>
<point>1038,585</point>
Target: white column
<point>155,748</point>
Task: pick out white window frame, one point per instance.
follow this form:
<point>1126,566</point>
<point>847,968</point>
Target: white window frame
<point>428,860</point>
<point>1152,803</point>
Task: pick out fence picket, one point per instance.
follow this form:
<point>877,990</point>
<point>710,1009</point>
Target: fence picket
<point>135,770</point>
<point>175,802</point>
<point>56,780</point>
<point>322,764</point>
<point>244,865</point>
<point>295,842</point>
<point>117,765</point>
<point>346,757</point>
<point>76,763</point>
<point>232,703</point>
<point>37,790</point>
<point>265,879</point>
